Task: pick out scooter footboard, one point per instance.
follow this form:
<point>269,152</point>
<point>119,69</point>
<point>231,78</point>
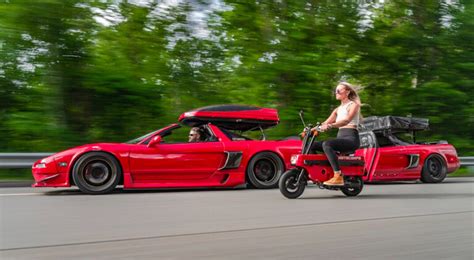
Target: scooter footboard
<point>318,166</point>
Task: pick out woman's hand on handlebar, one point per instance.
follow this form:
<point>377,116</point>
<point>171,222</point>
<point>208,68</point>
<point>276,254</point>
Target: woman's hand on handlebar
<point>314,131</point>
<point>324,127</point>
<point>303,134</point>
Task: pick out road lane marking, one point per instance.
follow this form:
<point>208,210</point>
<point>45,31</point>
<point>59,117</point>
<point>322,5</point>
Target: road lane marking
<point>236,230</point>
<point>19,194</point>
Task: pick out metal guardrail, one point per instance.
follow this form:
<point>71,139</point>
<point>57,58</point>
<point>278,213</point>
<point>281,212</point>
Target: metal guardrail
<point>20,160</point>
<point>26,160</point>
<point>467,161</point>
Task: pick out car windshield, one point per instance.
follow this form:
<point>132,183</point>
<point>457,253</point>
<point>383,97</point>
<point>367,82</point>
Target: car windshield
<point>141,138</point>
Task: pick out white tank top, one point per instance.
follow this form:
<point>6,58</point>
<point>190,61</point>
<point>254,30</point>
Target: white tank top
<point>343,111</point>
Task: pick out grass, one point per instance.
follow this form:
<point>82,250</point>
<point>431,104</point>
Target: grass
<point>16,175</point>
<point>463,172</point>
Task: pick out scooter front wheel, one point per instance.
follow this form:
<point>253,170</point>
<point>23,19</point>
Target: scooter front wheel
<point>289,185</point>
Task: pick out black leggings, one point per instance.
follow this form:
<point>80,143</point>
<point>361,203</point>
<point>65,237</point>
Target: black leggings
<point>347,140</point>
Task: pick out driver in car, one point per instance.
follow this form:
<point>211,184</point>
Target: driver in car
<point>196,134</point>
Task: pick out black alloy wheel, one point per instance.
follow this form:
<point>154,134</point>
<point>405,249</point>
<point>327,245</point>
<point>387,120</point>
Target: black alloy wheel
<point>264,170</point>
<point>434,169</point>
<point>96,173</point>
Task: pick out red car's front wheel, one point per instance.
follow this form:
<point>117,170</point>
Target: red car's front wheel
<point>96,173</point>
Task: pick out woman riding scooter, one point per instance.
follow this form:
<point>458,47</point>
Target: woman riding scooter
<point>346,118</point>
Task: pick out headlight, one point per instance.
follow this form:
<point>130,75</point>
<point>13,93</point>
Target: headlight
<point>41,165</point>
<point>293,159</point>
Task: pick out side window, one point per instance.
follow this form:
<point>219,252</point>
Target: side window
<point>182,135</point>
<point>382,140</point>
<point>208,136</point>
<point>234,136</point>
<point>179,135</point>
<point>405,137</point>
<point>389,139</point>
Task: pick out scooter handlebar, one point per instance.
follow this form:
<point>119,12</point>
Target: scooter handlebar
<point>313,130</point>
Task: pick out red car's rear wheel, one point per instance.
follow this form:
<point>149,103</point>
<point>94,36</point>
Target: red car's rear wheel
<point>96,173</point>
<point>434,169</point>
<point>264,170</point>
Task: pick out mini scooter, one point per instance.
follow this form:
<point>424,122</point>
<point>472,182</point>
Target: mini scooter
<point>316,168</point>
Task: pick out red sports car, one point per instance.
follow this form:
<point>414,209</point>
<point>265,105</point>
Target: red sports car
<point>222,158</point>
<point>391,152</point>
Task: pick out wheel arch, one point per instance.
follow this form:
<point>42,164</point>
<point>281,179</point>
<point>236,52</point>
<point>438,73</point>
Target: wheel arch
<point>255,153</point>
<point>427,177</point>
<point>428,155</point>
<point>78,156</point>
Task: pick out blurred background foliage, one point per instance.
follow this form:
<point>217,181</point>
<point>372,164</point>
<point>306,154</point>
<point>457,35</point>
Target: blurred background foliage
<point>74,72</point>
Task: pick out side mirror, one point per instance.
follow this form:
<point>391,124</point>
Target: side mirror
<point>154,141</point>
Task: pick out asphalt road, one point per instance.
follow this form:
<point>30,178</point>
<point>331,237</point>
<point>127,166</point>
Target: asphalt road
<point>386,221</point>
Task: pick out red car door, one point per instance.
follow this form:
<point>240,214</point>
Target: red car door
<point>392,163</point>
<point>176,161</point>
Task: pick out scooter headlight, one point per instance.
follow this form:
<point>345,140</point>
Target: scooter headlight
<point>293,159</point>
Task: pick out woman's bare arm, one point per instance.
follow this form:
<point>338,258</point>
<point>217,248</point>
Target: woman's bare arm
<point>331,119</point>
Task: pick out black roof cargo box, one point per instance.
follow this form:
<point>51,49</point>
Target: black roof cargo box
<point>394,123</point>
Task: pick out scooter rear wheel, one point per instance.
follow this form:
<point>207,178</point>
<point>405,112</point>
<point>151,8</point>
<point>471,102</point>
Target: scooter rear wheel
<point>289,185</point>
<point>355,188</point>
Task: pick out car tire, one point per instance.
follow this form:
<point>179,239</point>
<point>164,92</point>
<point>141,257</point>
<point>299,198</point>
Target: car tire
<point>434,169</point>
<point>264,170</point>
<point>96,173</point>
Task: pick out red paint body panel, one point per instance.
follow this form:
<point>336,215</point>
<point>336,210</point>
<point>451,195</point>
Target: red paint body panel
<point>118,150</point>
<point>319,170</point>
<point>176,162</point>
<point>391,163</point>
<point>178,165</point>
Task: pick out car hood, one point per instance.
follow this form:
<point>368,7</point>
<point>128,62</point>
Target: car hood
<point>109,147</point>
